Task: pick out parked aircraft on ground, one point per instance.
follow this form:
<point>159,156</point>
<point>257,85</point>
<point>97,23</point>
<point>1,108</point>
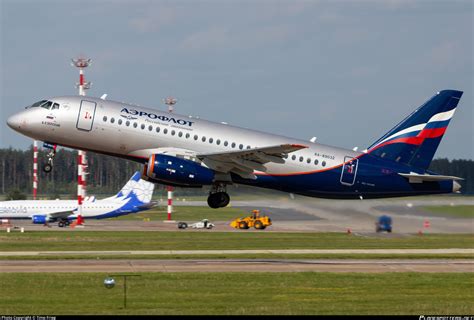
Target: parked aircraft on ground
<point>135,196</point>
<point>189,152</point>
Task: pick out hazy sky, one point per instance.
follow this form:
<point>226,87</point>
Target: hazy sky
<point>344,71</point>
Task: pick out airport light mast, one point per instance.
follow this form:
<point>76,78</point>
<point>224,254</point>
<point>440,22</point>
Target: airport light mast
<point>170,102</point>
<point>83,85</point>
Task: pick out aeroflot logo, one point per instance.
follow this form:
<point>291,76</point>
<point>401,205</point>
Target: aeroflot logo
<point>155,117</point>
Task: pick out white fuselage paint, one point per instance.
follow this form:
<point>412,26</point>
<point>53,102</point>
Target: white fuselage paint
<point>137,141</point>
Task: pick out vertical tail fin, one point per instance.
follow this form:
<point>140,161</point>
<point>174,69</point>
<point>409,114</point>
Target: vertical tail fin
<point>414,140</point>
<point>137,189</point>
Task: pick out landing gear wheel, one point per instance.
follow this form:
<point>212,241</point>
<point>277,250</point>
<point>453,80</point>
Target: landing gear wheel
<point>61,224</point>
<point>47,168</point>
<point>224,199</point>
<point>213,201</point>
<point>218,200</point>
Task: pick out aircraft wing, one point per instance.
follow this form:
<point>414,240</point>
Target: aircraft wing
<point>244,162</point>
<point>61,214</point>
<point>419,178</point>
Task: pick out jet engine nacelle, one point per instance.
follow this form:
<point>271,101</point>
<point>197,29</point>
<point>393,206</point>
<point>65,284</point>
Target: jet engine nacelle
<point>39,219</point>
<point>177,171</point>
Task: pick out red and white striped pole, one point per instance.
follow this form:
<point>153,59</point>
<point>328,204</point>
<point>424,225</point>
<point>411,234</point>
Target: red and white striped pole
<point>170,102</point>
<point>80,185</point>
<point>170,201</point>
<point>81,63</point>
<point>35,168</point>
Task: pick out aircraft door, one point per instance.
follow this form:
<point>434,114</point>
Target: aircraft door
<point>349,171</point>
<point>85,118</point>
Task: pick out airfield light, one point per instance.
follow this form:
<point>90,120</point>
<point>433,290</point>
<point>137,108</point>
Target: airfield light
<point>170,102</point>
<point>109,283</point>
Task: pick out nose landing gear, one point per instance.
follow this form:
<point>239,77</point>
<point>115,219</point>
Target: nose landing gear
<point>49,166</point>
<point>218,197</point>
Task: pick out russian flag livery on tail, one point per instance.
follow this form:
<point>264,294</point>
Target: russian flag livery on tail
<point>414,140</point>
<point>193,153</point>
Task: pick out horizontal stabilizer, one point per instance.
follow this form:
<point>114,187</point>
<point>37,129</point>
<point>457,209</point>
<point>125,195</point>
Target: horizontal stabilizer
<point>419,178</point>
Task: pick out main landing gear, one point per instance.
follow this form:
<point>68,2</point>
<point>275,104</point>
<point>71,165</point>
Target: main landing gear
<point>218,197</point>
<point>49,166</point>
<point>63,223</point>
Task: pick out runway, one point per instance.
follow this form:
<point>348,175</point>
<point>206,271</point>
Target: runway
<point>241,265</point>
<point>230,252</point>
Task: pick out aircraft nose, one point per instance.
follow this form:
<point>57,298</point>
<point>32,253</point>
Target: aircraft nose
<point>14,121</point>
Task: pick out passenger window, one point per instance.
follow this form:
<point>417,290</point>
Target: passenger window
<point>135,124</point>
<point>218,142</point>
<point>301,159</point>
<point>119,121</point>
<point>293,157</point>
<point>203,139</point>
<point>196,137</point>
<point>180,134</point>
<point>165,131</point>
<point>142,126</point>
<point>226,143</point>
<point>112,120</point>
<point>316,162</point>
<point>241,146</point>
<point>323,163</point>
<point>104,118</point>
<point>173,132</point>
<point>150,128</point>
<point>233,144</point>
<point>127,123</point>
<point>157,129</point>
<point>248,147</point>
<point>187,135</point>
<point>308,160</point>
<point>211,140</point>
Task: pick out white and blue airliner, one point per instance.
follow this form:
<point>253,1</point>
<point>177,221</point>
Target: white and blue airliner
<point>134,197</point>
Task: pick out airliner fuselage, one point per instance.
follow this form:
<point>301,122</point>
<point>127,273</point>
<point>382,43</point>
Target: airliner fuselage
<point>230,154</point>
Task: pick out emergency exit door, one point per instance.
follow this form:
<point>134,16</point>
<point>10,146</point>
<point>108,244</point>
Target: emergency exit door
<point>85,118</point>
<point>349,171</point>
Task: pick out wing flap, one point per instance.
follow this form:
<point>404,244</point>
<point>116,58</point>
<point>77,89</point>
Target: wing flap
<point>420,178</point>
<point>244,162</point>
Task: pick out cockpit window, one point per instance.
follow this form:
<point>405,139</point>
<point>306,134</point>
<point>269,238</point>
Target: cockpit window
<point>47,105</point>
<point>37,104</point>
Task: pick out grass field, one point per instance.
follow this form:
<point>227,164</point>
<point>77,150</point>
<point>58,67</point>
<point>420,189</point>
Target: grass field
<point>454,211</point>
<point>239,293</point>
<point>182,213</point>
<point>182,240</point>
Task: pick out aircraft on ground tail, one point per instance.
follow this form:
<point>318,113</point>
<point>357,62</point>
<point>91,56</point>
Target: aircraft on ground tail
<point>134,197</point>
<point>184,151</point>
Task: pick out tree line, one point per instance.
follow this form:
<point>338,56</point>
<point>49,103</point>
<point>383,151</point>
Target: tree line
<point>108,174</point>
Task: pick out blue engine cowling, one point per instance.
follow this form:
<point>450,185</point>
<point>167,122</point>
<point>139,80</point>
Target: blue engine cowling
<point>39,219</point>
<point>177,171</point>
